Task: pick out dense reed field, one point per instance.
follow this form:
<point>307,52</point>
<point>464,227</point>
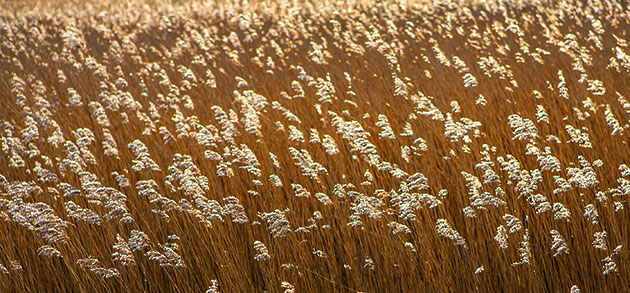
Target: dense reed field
<point>315,146</point>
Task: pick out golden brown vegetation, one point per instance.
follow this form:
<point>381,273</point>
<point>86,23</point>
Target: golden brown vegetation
<point>309,147</point>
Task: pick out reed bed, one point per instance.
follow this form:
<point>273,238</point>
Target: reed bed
<point>317,146</point>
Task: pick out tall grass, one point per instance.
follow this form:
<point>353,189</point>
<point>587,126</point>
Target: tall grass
<point>309,146</point>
